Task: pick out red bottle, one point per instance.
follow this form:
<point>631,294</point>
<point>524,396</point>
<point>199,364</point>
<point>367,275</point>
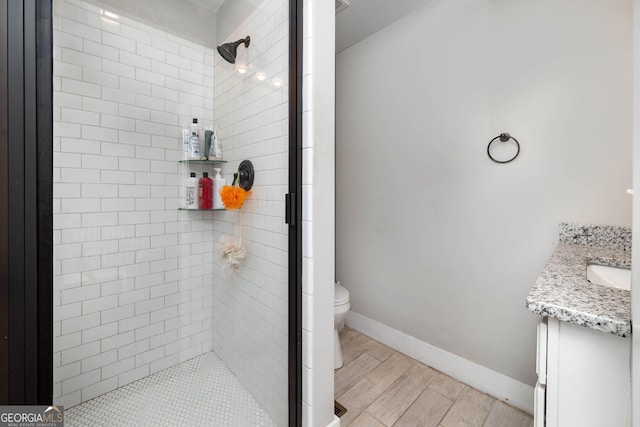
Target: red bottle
<point>205,192</point>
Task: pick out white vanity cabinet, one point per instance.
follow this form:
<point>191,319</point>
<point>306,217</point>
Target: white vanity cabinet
<point>584,377</point>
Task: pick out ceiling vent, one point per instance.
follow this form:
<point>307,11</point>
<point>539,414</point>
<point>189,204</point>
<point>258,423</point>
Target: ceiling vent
<point>341,5</point>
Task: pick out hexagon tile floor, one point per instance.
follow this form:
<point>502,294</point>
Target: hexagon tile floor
<point>199,392</point>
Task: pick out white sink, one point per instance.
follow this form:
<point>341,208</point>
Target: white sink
<point>612,277</point>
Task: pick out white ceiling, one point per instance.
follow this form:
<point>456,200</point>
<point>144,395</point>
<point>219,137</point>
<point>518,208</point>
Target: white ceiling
<point>192,19</point>
<point>365,17</point>
<point>212,5</point>
<point>357,22</point>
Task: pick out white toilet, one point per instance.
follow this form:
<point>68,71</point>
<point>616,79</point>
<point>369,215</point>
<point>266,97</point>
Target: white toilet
<point>341,307</point>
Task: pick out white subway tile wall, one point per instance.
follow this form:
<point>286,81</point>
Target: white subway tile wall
<point>251,111</point>
<point>133,275</point>
<point>318,207</point>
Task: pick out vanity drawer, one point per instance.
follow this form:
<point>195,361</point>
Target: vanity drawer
<point>541,355</point>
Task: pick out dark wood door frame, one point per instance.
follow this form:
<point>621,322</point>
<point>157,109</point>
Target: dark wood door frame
<point>26,200</point>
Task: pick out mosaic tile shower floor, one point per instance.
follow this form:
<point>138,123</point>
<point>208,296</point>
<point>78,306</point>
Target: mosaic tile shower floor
<point>199,392</point>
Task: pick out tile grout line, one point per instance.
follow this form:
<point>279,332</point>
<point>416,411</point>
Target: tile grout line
<point>493,404</point>
<point>453,402</point>
<point>373,416</point>
<point>435,391</point>
<point>416,398</point>
<point>450,406</point>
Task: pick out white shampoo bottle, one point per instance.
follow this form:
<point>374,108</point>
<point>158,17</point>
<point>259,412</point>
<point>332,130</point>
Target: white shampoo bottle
<point>218,183</point>
<point>194,144</point>
<point>191,201</point>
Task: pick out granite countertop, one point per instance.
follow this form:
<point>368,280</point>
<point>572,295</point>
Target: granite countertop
<point>563,292</point>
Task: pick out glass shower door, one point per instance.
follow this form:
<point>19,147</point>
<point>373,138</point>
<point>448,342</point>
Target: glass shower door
<point>148,311</point>
<point>251,111</point>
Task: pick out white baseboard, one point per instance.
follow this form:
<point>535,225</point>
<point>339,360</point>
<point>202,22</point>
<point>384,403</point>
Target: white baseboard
<point>335,422</point>
<point>498,385</point>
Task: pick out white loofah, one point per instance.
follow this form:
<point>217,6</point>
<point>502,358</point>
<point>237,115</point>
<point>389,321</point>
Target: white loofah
<point>232,252</point>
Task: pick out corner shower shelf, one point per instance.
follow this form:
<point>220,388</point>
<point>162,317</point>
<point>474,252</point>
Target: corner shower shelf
<point>201,210</point>
<point>203,162</point>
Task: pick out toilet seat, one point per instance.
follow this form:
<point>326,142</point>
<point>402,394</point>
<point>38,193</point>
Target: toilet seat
<point>341,295</point>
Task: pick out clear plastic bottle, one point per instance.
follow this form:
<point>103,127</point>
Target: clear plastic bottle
<point>185,151</point>
<point>216,145</point>
<point>218,183</point>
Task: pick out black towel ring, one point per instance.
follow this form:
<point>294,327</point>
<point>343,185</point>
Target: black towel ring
<point>504,137</point>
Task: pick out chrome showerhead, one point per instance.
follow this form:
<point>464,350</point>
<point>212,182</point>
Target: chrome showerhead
<point>229,50</point>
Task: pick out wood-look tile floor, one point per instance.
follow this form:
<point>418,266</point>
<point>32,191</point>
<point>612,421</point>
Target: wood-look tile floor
<point>382,387</point>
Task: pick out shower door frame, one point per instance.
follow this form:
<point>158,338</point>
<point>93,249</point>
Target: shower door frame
<point>295,212</point>
<point>26,205</point>
<point>26,197</point>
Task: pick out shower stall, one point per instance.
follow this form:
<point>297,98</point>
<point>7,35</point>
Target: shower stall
<point>150,326</point>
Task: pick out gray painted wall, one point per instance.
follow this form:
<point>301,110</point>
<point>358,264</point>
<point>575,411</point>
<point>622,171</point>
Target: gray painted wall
<point>433,238</point>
